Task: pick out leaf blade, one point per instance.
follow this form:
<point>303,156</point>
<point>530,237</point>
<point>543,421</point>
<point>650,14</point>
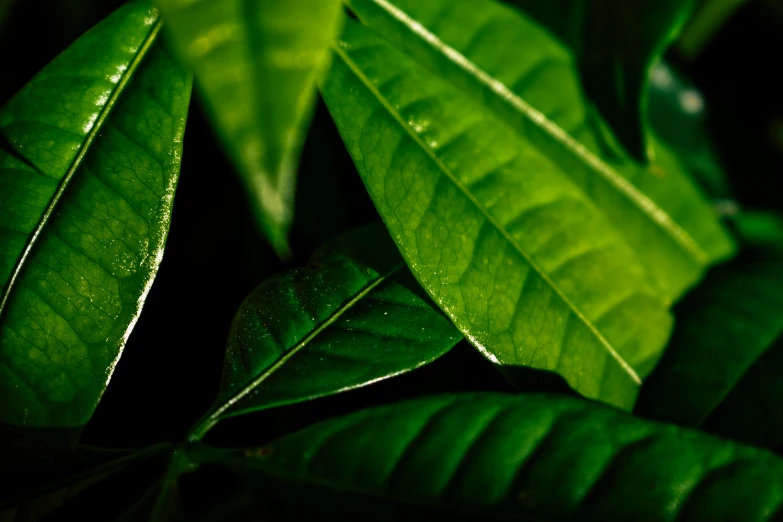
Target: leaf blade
<point>514,457</point>
<point>723,368</point>
<point>86,216</point>
<point>332,327</point>
<point>394,119</point>
<point>657,205</point>
<point>257,63</point>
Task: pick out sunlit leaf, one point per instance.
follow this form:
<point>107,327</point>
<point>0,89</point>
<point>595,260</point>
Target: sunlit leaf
<point>515,254</point>
<point>519,72</point>
<point>91,155</point>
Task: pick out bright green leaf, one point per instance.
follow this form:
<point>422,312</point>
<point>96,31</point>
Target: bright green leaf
<point>87,178</point>
<point>333,326</point>
<point>528,79</point>
<point>723,369</point>
<point>615,43</point>
<point>256,63</point>
<point>515,254</point>
<point>504,457</point>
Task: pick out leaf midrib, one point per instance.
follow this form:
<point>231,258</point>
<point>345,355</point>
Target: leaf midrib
<point>490,219</point>
<point>213,418</point>
<point>645,204</point>
<point>77,162</point>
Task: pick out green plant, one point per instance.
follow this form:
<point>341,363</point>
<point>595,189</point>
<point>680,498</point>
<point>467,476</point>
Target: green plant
<point>529,210</point>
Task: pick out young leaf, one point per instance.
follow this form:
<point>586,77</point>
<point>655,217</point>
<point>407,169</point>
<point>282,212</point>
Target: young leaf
<point>516,255</point>
<point>504,457</point>
<point>724,353</point>
<point>256,63</point>
<point>615,42</point>
<point>331,327</point>
<point>528,79</point>
<point>87,176</point>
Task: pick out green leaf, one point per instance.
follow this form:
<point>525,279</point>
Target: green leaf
<point>521,73</point>
<point>678,117</point>
<point>504,457</point>
<point>87,176</point>
<point>516,255</point>
<point>331,327</point>
<point>723,369</point>
<point>615,43</point>
<point>40,502</point>
<point>256,63</point>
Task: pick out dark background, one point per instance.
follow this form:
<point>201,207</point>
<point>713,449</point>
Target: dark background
<point>170,370</point>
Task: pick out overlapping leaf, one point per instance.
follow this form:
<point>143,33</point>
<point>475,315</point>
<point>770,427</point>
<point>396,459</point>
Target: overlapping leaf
<point>517,256</point>
<point>615,43</point>
<point>522,74</point>
<point>724,368</point>
<point>87,175</point>
<point>333,326</point>
<point>678,116</point>
<point>257,63</point>
<point>503,457</point>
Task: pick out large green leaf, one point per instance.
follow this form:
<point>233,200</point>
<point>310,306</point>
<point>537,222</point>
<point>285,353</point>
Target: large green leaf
<point>615,42</point>
<point>333,326</point>
<point>256,63</point>
<point>522,74</point>
<point>504,457</point>
<point>516,255</point>
<point>87,178</point>
<point>723,369</point>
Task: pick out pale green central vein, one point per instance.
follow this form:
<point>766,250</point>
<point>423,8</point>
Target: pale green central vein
<point>450,175</point>
<point>202,428</point>
<point>85,148</point>
<point>648,206</point>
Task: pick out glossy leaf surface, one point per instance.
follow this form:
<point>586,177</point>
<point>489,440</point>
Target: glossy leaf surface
<point>615,42</point>
<point>527,457</point>
<point>87,178</point>
<point>724,367</point>
<point>256,64</point>
<point>515,254</point>
<point>527,78</point>
<point>331,327</point>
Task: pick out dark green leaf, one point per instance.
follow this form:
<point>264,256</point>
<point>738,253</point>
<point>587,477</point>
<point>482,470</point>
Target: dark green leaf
<point>256,63</point>
<point>526,457</point>
<point>516,255</point>
<point>760,229</point>
<point>39,503</point>
<point>333,326</point>
<point>87,178</point>
<point>615,43</point>
<point>723,369</point>
<point>518,71</point>
<point>678,117</point>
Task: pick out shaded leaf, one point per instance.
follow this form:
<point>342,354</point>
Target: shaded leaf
<point>84,217</point>
<point>257,63</point>
<point>516,255</point>
<point>615,42</point>
<point>528,79</point>
<point>42,502</point>
<point>723,370</point>
<point>678,117</point>
<point>504,457</point>
<point>333,326</point>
